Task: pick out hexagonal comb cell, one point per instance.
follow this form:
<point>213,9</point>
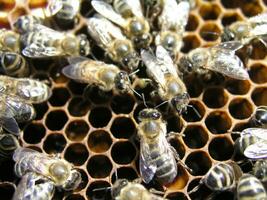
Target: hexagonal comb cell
<point>215,97</point>
<point>122,127</point>
<point>75,151</point>
<point>99,117</point>
<point>224,152</point>
<point>240,108</point>
<point>123,152</point>
<point>218,122</point>
<point>99,166</point>
<point>58,116</point>
<point>54,143</point>
<point>259,96</point>
<point>210,31</point>
<point>99,141</point>
<point>77,130</point>
<point>195,137</point>
<point>258,73</point>
<point>34,133</point>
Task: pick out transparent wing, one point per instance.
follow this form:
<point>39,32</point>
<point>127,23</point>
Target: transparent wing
<point>259,30</point>
<point>40,51</point>
<point>77,59</point>
<point>147,166</point>
<point>164,58</point>
<point>135,7</point>
<point>259,19</point>
<point>225,62</point>
<point>153,68</point>
<point>257,150</point>
<point>9,124</point>
<point>107,11</point>
<point>257,132</point>
<point>48,32</point>
<point>54,6</point>
<point>173,15</point>
<point>231,46</point>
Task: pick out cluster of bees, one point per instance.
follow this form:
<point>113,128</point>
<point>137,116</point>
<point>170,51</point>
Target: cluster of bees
<point>130,39</point>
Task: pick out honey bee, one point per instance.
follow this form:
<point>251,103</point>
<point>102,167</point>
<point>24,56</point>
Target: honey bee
<point>42,42</point>
<point>220,58</point>
<point>8,144</point>
<point>245,31</point>
<point>259,117</point>
<point>125,190</point>
<point>105,76</point>
<point>172,25</point>
<point>128,15</point>
<point>260,170</point>
<point>249,187</point>
<point>30,90</point>
<point>9,40</point>
<point>55,169</point>
<point>13,110</point>
<point>220,177</point>
<point>252,143</point>
<point>157,156</point>
<point>34,186</point>
<point>110,38</point>
<point>163,72</point>
<point>64,11</point>
<point>26,23</point>
<point>13,64</point>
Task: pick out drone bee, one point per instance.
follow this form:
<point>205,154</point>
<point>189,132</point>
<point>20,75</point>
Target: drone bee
<point>34,186</point>
<point>220,58</point>
<point>55,169</point>
<point>157,156</point>
<point>252,143</point>
<point>249,187</point>
<point>163,72</point>
<point>26,23</point>
<point>13,110</point>
<point>125,190</point>
<point>105,76</point>
<point>64,11</point>
<point>110,38</point>
<point>259,117</point>
<point>260,170</point>
<point>8,144</point>
<point>43,42</point>
<point>13,64</point>
<point>128,15</point>
<point>30,90</point>
<point>9,40</point>
<point>220,177</point>
<point>245,31</point>
<point>172,25</point>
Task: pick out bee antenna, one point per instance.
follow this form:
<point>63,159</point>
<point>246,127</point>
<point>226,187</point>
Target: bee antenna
<point>134,72</point>
<point>195,110</point>
<point>144,100</point>
<point>116,175</point>
<point>101,189</point>
<point>194,189</point>
<point>93,56</point>
<point>234,132</point>
<point>161,104</point>
<point>134,91</point>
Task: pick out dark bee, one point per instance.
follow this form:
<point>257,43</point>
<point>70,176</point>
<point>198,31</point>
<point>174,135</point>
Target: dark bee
<point>259,117</point>
<point>260,170</point>
<point>8,144</point>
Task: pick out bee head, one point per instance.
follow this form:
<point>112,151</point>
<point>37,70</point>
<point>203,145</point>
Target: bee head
<point>122,81</point>
<point>149,114</point>
<point>142,41</point>
<point>84,46</point>
<point>185,64</point>
<point>73,180</point>
<point>131,61</point>
<point>180,102</point>
<point>227,35</point>
<point>118,186</point>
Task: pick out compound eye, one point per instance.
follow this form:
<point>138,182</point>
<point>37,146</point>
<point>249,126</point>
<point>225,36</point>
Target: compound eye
<point>155,115</point>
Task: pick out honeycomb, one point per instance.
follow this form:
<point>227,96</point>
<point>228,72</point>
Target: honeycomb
<point>98,133</point>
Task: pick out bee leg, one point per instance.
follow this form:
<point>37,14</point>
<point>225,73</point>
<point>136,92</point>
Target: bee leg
<point>196,188</point>
<point>263,42</point>
<point>137,180</point>
<point>154,191</point>
<point>143,83</point>
<point>176,156</point>
<point>172,134</point>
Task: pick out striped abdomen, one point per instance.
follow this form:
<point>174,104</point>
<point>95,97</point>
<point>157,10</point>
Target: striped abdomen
<point>122,7</point>
<point>243,142</point>
<point>38,37</point>
<point>220,177</point>
<point>67,11</point>
<point>250,188</point>
<point>166,165</point>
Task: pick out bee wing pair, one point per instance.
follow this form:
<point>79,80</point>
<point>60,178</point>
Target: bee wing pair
<point>259,149</point>
<point>224,60</point>
<point>259,24</point>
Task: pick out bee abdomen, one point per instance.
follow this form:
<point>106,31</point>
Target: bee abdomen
<point>250,188</point>
<point>122,7</point>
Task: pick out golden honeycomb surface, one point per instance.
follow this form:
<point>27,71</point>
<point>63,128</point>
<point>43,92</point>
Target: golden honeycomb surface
<point>98,133</point>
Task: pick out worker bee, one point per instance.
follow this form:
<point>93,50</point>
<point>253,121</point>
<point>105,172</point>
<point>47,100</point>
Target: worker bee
<point>220,177</point>
<point>14,110</point>
<point>42,42</point>
<point>125,190</point>
<point>30,90</point>
<point>8,144</point>
<point>163,72</point>
<point>220,58</point>
<point>249,187</point>
<point>157,156</point>
<point>13,64</point>
<point>245,31</point>
<point>128,15</point>
<point>105,76</point>
<point>64,11</point>
<point>259,117</point>
<point>34,186</point>
<point>9,40</point>
<point>110,38</point>
<point>260,170</point>
<point>26,23</point>
<point>252,143</point>
<point>172,25</point>
<point>55,169</point>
